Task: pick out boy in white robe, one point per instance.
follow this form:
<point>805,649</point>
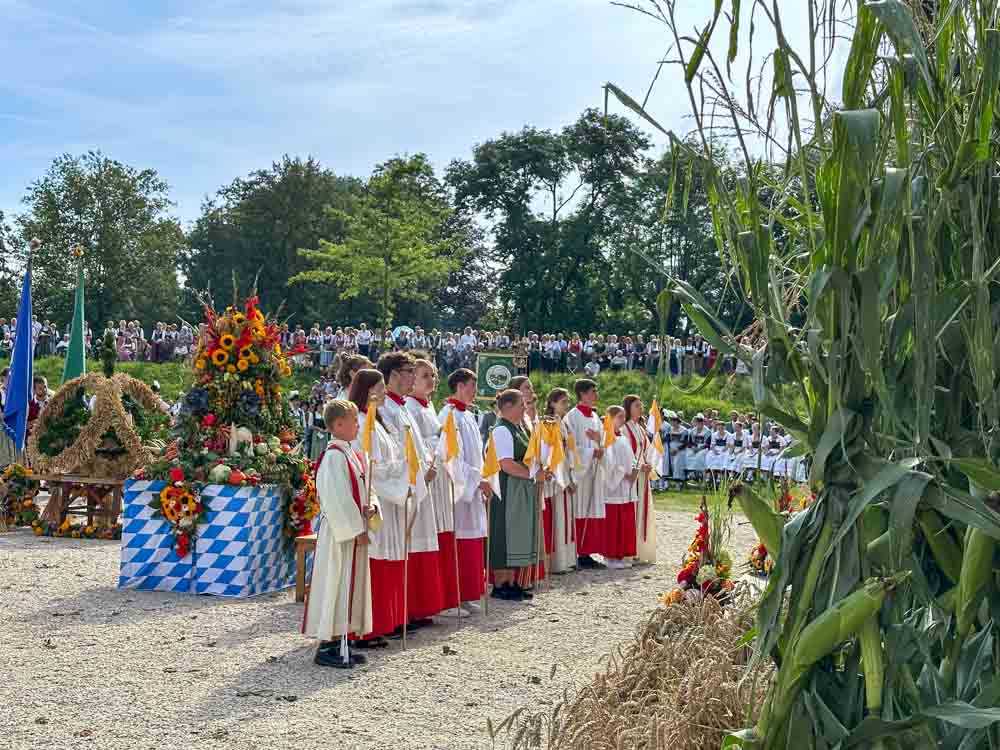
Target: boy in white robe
<point>584,425</point>
<point>340,602</point>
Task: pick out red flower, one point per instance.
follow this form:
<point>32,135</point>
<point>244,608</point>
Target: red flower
<point>182,544</point>
<point>686,576</point>
<point>208,420</point>
<point>701,518</point>
<point>176,474</point>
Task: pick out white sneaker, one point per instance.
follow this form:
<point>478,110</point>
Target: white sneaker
<point>472,607</point>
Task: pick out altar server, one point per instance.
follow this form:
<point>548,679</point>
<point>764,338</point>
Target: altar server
<point>387,551</point>
<point>560,490</point>
<point>472,492</point>
<point>423,567</point>
<point>340,595</point>
<point>643,457</point>
<point>618,473</point>
<point>584,426</point>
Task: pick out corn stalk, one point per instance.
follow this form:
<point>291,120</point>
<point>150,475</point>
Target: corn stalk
<point>880,214</point>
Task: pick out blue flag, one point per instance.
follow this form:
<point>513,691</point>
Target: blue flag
<point>17,399</point>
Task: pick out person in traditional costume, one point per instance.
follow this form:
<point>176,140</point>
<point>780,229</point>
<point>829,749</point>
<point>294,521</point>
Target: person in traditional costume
<point>752,458</point>
<point>560,536</point>
<point>699,437</point>
<point>772,449</point>
<point>421,409</point>
<point>339,603</point>
<point>717,458</point>
<point>390,482</point>
<point>514,525</point>
<point>643,456</point>
<point>674,438</point>
<point>617,475</point>
<point>527,577</point>
<point>472,492</point>
<point>584,427</point>
<point>425,593</point>
<point>738,448</point>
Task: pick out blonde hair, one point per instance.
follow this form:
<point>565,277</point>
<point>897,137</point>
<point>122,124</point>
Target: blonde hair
<point>425,363</point>
<point>614,410</point>
<point>338,408</point>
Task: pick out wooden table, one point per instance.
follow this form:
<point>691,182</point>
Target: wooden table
<point>102,498</point>
<point>303,544</point>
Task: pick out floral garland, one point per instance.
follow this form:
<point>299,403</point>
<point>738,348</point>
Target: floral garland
<point>180,504</point>
<point>72,530</point>
<point>704,571</point>
<point>18,489</point>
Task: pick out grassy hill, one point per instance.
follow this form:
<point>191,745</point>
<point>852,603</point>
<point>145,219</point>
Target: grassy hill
<point>721,394</point>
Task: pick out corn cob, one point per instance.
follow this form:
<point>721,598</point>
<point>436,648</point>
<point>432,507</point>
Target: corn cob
<point>977,570</point>
<point>945,549</point>
<point>839,623</point>
<point>870,638</point>
<point>766,521</point>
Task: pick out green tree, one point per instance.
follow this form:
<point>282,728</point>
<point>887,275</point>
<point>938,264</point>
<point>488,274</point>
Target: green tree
<point>119,214</point>
<point>395,246</point>
<point>258,223</point>
<point>11,260</point>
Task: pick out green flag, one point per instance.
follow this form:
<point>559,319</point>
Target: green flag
<point>76,355</point>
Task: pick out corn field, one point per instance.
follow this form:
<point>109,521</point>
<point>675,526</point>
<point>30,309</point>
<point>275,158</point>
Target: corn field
<point>882,222</point>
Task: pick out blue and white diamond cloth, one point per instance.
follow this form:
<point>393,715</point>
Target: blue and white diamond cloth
<point>240,551</point>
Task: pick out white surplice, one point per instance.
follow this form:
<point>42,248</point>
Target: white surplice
<point>340,567</point>
<point>470,510</point>
<point>590,496</point>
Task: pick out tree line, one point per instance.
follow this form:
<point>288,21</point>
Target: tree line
<point>547,230</point>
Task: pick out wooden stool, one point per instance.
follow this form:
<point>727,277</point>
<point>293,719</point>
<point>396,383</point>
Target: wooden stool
<point>303,544</point>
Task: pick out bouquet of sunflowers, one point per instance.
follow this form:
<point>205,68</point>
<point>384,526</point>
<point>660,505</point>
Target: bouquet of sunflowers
<point>180,504</point>
<point>18,488</point>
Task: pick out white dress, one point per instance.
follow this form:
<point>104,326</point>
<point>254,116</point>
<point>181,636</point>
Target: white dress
<point>772,450</point>
<point>752,455</point>
<point>718,452</point>
<point>740,446</point>
<point>696,455</point>
<point>645,510</point>
<point>558,494</point>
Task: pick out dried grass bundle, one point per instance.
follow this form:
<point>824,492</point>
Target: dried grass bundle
<point>681,684</point>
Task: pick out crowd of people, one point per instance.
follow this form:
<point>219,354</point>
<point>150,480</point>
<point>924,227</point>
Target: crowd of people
<point>319,346</point>
<point>538,487</point>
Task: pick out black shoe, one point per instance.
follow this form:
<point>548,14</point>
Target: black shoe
<point>329,645</point>
<point>424,622</point>
<point>523,593</point>
<point>331,659</point>
<point>372,643</point>
<point>587,561</point>
<point>358,658</point>
<point>506,592</point>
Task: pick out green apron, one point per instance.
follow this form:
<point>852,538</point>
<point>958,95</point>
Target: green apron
<point>514,519</point>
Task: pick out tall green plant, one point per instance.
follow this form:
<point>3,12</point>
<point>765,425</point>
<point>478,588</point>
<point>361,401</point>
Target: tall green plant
<point>882,610</point>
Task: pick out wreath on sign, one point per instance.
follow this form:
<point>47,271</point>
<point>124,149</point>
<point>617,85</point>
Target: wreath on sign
<point>71,437</point>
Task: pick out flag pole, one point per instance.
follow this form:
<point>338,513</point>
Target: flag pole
<point>406,566</point>
<point>485,598</point>
<point>454,539</point>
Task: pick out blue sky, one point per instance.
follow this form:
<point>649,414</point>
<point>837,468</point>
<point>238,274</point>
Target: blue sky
<point>207,90</point>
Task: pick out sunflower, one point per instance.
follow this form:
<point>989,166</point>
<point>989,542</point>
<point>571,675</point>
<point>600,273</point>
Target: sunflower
<point>226,341</point>
<point>230,368</point>
<point>239,318</point>
<point>245,351</point>
<point>199,364</point>
<point>242,365</point>
<point>220,357</point>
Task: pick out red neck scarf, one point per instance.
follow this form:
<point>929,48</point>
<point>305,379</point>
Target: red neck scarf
<point>422,401</point>
<point>459,405</point>
<point>585,410</point>
<point>398,399</point>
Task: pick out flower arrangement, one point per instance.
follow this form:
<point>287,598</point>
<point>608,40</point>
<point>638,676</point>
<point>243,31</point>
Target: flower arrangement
<point>180,504</point>
<point>706,569</point>
<point>302,506</point>
<point>18,489</point>
<point>235,425</point>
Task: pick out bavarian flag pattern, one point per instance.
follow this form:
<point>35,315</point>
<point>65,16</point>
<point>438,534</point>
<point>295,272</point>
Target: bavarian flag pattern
<point>240,551</point>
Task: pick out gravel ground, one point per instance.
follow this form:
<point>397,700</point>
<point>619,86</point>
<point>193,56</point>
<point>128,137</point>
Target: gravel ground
<point>86,665</point>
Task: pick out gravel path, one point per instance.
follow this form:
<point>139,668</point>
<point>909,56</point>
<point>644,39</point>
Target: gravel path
<point>85,665</point>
